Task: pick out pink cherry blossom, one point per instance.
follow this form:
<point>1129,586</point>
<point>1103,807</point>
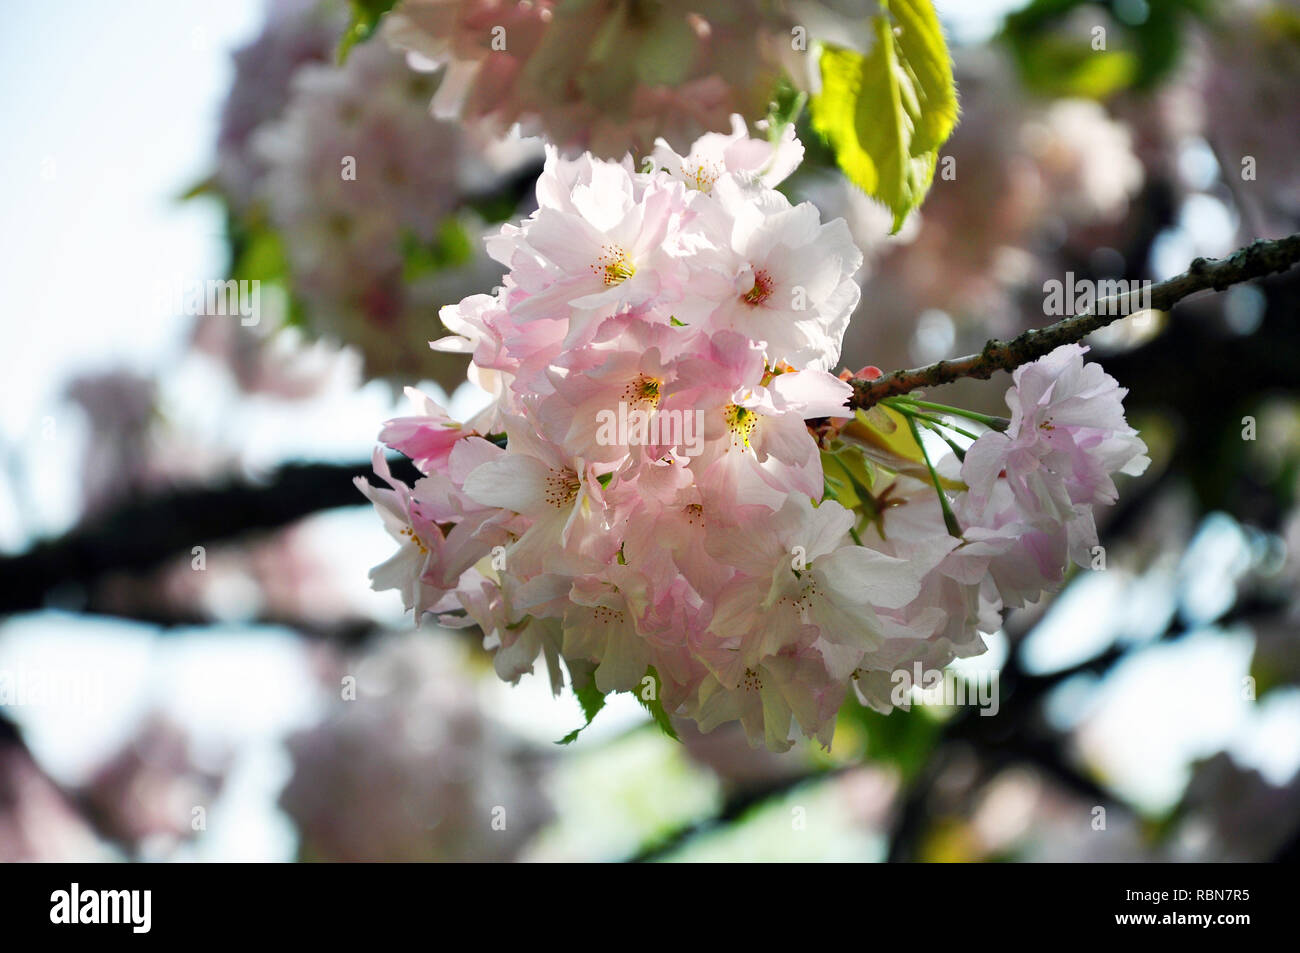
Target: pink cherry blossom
<point>1067,436</point>
<point>419,539</point>
<point>645,499</point>
<point>781,277</point>
<point>426,438</point>
<point>598,75</point>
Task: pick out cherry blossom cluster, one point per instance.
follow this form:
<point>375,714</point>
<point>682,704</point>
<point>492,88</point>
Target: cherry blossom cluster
<point>607,76</point>
<point>356,170</point>
<point>365,193</point>
<point>645,501</point>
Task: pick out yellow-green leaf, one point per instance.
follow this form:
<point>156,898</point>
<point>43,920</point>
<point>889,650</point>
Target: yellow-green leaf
<point>887,440</point>
<point>839,484</point>
<point>364,20</point>
<point>887,113</point>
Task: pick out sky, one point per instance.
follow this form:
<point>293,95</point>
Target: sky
<point>108,114</point>
<point>103,130</point>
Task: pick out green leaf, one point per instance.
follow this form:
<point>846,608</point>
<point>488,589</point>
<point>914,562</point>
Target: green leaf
<point>258,254</point>
<point>655,706</point>
<point>861,470</point>
<point>852,474</point>
<point>206,186</point>
<point>903,739</point>
<point>1059,66</point>
<point>451,247</point>
<point>887,113</point>
<point>884,437</point>
<point>261,256</point>
<point>1055,56</point>
<point>787,105</point>
<point>366,15</point>
<point>839,485</point>
<point>591,700</point>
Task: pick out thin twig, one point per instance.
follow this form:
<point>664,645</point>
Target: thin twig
<point>1256,260</point>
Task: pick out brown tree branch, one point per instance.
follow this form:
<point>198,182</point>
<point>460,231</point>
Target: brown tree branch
<point>1256,260</point>
<point>142,533</point>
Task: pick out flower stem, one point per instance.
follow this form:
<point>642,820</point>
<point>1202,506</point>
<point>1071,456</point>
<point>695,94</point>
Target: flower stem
<point>993,423</point>
<point>958,450</point>
<point>949,520</point>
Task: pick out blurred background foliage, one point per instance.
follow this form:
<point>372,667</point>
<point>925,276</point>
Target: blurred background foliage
<point>267,705</point>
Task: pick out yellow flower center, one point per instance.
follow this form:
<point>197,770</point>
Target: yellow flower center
<point>701,175</point>
<point>644,389</point>
<point>741,421</point>
<point>614,266</point>
<point>761,291</point>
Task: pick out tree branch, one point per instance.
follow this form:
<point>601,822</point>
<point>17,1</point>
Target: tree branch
<point>1256,260</point>
<point>142,533</point>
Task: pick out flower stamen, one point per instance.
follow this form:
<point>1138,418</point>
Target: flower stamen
<point>762,289</point>
<point>562,487</point>
<point>644,389</point>
<point>741,421</point>
<point>614,266</point>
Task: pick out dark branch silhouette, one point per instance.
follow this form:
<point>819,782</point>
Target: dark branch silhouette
<point>142,533</point>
